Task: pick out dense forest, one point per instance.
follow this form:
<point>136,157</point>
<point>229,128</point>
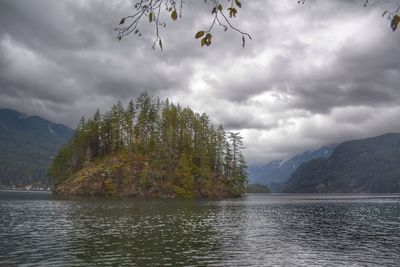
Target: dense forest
<point>150,148</point>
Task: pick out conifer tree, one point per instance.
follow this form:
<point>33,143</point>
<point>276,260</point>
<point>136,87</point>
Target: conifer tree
<point>176,145</point>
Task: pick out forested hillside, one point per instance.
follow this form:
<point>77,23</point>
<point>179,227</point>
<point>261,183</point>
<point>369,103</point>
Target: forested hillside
<point>150,148</point>
<point>276,173</point>
<point>365,165</point>
<point>27,147</point>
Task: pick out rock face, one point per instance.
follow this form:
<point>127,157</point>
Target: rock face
<point>27,146</point>
<point>122,176</point>
<point>368,165</point>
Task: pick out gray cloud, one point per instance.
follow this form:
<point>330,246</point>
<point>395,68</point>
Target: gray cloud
<point>314,74</point>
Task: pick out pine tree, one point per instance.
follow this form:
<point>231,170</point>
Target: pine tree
<point>179,148</point>
<point>129,118</point>
<point>184,175</point>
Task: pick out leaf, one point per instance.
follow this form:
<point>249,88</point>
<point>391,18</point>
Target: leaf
<point>395,22</point>
<point>174,15</point>
<point>243,41</point>
<point>122,21</point>
<point>208,39</point>
<point>232,12</point>
<point>220,7</point>
<point>203,41</point>
<point>199,34</point>
<point>150,17</point>
<point>214,10</point>
<point>238,3</point>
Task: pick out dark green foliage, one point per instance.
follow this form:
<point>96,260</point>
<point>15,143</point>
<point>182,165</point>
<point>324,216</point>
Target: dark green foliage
<point>367,165</point>
<point>178,147</point>
<point>27,146</point>
<point>257,188</point>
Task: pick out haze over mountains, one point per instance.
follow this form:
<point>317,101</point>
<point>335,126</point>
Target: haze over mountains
<point>276,173</point>
<point>27,147</point>
<point>370,165</point>
<point>367,165</point>
<point>29,143</point>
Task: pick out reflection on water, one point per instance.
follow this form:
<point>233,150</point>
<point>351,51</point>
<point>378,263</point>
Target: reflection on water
<point>257,230</point>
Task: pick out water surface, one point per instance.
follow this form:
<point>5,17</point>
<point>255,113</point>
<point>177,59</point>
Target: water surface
<point>37,229</point>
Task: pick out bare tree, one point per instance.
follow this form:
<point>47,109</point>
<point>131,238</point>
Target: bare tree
<point>152,9</point>
<point>222,14</point>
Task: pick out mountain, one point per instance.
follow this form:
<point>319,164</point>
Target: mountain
<point>277,172</point>
<point>370,165</point>
<point>27,146</point>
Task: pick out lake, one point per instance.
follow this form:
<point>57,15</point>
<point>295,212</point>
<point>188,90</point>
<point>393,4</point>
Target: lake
<point>38,229</point>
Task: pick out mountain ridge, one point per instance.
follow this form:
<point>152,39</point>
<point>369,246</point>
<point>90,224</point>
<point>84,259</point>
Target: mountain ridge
<point>370,165</point>
<point>27,146</point>
<point>275,173</point>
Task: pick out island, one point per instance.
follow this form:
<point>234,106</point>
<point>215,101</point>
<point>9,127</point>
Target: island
<point>257,188</point>
<point>151,148</point>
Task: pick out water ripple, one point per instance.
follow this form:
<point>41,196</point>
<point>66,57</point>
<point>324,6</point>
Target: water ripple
<point>284,230</point>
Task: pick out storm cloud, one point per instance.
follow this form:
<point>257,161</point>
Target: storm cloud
<point>314,74</point>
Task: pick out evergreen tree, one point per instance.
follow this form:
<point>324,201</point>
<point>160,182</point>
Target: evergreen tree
<point>130,116</point>
<point>177,146</point>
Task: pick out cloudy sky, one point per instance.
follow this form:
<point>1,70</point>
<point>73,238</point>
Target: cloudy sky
<point>314,74</point>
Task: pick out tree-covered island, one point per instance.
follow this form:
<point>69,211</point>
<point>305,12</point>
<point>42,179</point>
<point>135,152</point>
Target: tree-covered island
<point>151,148</point>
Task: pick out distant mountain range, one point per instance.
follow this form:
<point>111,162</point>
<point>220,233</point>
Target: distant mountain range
<point>27,146</point>
<point>275,173</point>
<point>29,143</point>
<point>366,165</point>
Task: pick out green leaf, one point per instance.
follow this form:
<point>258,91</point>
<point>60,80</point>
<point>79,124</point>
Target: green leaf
<point>174,15</point>
<point>150,17</point>
<point>208,39</point>
<point>395,22</point>
<point>199,34</point>
<point>203,41</point>
<point>238,3</point>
